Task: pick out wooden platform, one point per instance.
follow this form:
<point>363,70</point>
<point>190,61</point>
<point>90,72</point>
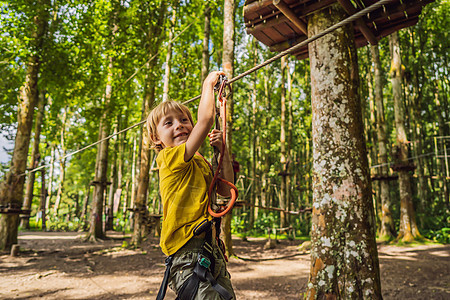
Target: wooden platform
<point>280,24</point>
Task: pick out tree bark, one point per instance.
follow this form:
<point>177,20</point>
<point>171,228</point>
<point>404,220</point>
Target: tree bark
<point>387,228</point>
<point>109,223</point>
<point>206,37</point>
<point>228,68</point>
<point>283,159</point>
<point>101,165</point>
<point>253,134</point>
<point>11,188</point>
<point>408,230</point>
<point>50,179</point>
<point>42,201</point>
<point>344,258</point>
<point>169,52</point>
<point>62,164</point>
<point>35,158</point>
<point>140,204</point>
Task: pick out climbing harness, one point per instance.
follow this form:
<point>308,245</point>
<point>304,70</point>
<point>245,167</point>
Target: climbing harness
<point>203,268</point>
<point>223,209</point>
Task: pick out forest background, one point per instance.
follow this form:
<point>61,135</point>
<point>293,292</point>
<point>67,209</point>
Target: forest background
<point>102,65</point>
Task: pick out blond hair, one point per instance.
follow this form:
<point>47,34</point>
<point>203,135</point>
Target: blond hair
<point>155,116</point>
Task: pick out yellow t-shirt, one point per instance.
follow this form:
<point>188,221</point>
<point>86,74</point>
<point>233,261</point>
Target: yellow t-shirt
<point>184,192</point>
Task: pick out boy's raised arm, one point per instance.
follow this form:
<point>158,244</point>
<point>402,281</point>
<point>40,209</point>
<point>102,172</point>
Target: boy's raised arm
<point>205,117</point>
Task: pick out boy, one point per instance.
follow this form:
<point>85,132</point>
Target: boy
<point>196,264</point>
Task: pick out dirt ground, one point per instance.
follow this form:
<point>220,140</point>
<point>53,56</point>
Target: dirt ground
<point>61,266</point>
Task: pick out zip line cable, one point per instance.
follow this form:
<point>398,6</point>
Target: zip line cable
<point>290,50</point>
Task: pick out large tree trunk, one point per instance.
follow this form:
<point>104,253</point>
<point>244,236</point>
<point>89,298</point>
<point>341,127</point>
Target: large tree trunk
<point>140,204</point>
<point>408,230</point>
<point>228,68</point>
<point>387,228</point>
<point>35,158</point>
<point>11,188</point>
<point>344,258</point>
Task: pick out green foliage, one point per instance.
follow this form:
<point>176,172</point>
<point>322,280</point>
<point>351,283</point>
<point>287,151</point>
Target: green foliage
<point>84,37</point>
<point>441,236</point>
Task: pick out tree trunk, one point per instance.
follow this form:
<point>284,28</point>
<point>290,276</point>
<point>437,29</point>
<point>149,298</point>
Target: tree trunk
<point>228,68</point>
<point>408,230</point>
<point>42,200</point>
<point>140,204</point>
<point>35,158</point>
<point>253,134</point>
<point>283,159</point>
<point>62,164</point>
<point>11,188</point>
<point>387,228</point>
<point>101,165</point>
<point>133,182</point>
<point>206,37</point>
<point>120,164</point>
<point>109,223</point>
<point>169,52</point>
<point>50,179</point>
<point>344,258</point>
<point>83,218</point>
<point>205,58</point>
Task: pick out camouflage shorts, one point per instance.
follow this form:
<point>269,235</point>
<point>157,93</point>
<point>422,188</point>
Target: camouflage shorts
<point>183,266</point>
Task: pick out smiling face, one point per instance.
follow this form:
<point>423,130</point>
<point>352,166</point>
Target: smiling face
<point>173,129</point>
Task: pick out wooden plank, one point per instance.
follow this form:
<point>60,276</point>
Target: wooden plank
<point>289,31</point>
<point>300,12</point>
<point>291,15</point>
<point>350,9</point>
<point>263,38</point>
<point>274,35</point>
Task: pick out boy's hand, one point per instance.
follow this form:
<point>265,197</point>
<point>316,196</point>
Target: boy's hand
<point>212,78</point>
<point>216,139</point>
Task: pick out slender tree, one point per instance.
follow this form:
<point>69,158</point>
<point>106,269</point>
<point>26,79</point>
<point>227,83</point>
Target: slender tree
<point>228,68</point>
<point>408,230</point>
<point>173,20</point>
<point>387,228</point>
<point>344,259</point>
<point>283,159</point>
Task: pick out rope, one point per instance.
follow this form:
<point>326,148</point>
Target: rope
<point>294,48</point>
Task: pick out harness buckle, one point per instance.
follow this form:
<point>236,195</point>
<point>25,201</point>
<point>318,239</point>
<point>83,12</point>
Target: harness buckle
<point>204,261</point>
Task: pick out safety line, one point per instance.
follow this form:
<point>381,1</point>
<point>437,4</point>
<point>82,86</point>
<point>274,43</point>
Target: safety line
<point>294,48</point>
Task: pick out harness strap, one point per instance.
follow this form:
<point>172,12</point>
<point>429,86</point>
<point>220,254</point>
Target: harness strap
<point>164,283</point>
<point>189,288</point>
<point>202,269</point>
